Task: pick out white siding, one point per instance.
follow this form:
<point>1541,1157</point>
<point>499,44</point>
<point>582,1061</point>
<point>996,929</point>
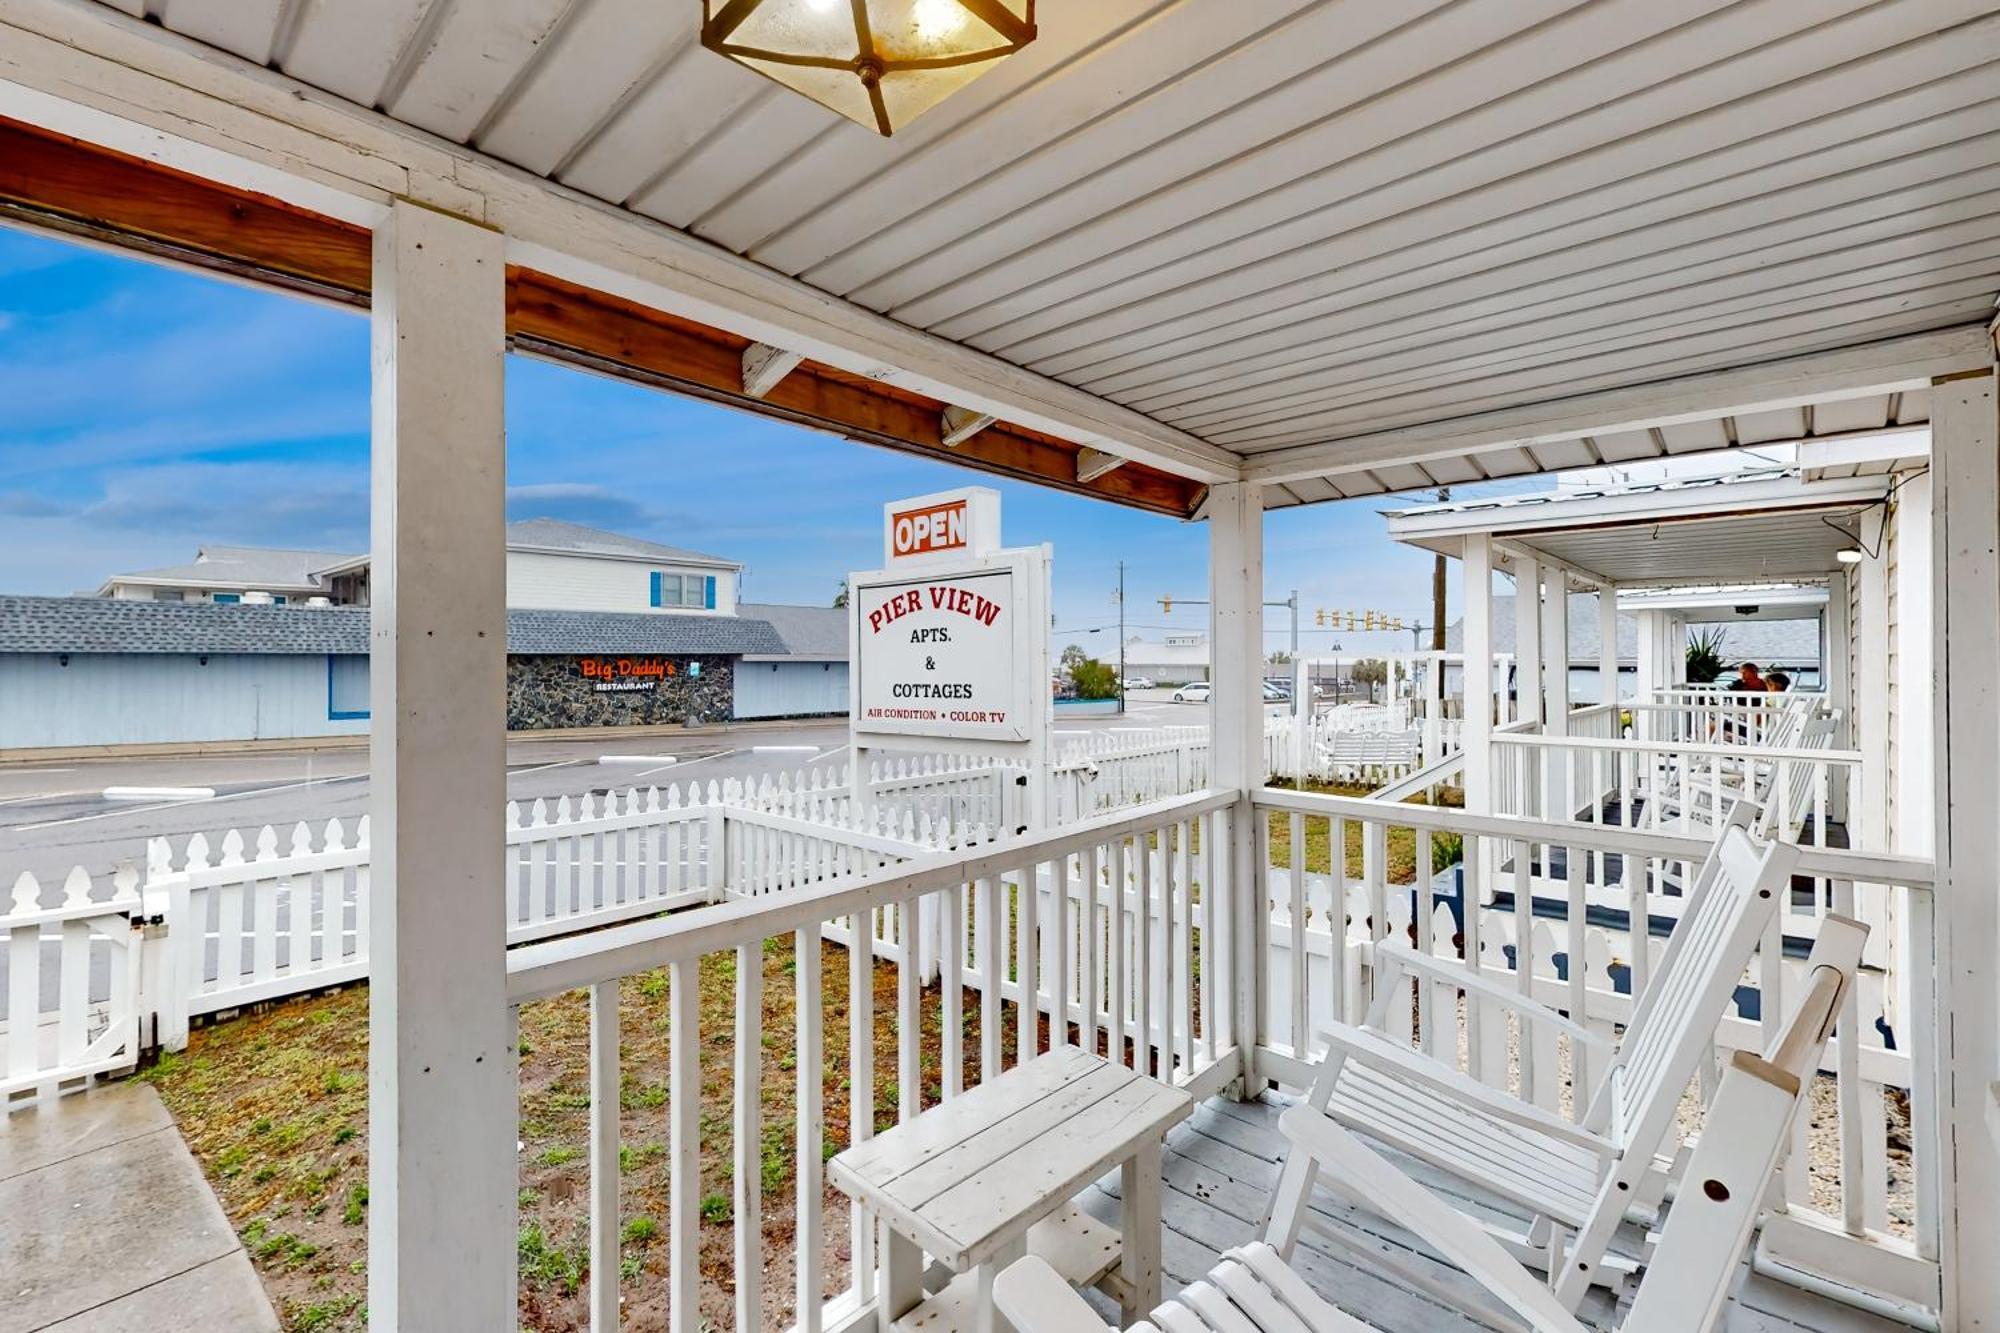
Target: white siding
<point>146,698</point>
<point>590,583</point>
<point>791,689</point>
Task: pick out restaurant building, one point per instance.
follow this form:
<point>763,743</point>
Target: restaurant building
<point>246,644</point>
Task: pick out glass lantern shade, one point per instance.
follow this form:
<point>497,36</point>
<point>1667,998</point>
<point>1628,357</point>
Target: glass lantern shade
<point>880,63</point>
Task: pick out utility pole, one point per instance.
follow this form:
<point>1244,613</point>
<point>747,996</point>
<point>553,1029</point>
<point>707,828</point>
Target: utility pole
<point>1121,638</point>
<point>1437,588</point>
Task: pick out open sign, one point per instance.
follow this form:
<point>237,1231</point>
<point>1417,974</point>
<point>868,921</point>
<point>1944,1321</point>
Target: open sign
<point>929,530</point>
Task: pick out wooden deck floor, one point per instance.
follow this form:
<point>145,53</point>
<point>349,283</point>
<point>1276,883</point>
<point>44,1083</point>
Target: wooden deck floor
<point>1222,1165</point>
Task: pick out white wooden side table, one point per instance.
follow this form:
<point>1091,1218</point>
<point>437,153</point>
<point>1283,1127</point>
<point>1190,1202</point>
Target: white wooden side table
<point>988,1176</point>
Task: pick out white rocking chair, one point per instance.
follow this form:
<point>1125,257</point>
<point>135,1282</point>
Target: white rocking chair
<point>1253,1289</point>
<point>1577,1178</point>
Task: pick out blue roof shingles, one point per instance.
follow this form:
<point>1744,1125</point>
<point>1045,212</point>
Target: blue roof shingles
<point>101,625</point>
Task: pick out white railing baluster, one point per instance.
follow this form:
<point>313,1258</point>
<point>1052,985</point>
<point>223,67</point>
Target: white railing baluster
<point>811,1130</point>
<point>604,1165</point>
<point>861,1081</point>
<point>746,1177</point>
<point>684,1147</point>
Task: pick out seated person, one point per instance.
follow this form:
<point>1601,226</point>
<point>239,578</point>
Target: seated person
<point>1777,682</point>
<point>1747,680</point>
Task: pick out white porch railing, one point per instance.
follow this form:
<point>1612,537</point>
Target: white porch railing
<point>1854,1207</point>
<point>1122,959</point>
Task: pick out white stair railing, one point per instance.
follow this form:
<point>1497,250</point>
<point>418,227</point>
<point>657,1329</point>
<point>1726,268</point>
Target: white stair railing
<point>1465,887</point>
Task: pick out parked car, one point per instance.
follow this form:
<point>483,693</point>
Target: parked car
<point>1196,692</point>
<point>1137,683</point>
<point>1274,693</point>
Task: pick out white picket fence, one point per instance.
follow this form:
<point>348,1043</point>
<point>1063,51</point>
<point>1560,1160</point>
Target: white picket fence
<point>71,983</point>
<point>245,916</point>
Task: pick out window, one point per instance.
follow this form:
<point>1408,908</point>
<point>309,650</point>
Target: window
<point>227,598</point>
<point>278,600</point>
<point>675,590</point>
<point>346,687</point>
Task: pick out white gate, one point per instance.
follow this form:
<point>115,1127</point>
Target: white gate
<point>71,989</point>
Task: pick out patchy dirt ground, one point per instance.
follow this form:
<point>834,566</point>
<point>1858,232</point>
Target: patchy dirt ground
<point>275,1106</point>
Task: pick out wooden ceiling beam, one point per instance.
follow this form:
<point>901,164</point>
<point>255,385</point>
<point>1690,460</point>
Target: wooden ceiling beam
<point>52,181</point>
<point>566,322</point>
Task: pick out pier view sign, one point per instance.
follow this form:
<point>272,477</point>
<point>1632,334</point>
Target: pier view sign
<point>950,638</point>
<point>937,656</point>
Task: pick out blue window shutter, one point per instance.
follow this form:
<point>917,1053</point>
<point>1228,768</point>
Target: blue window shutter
<point>656,587</point>
<point>227,598</point>
<point>710,593</point>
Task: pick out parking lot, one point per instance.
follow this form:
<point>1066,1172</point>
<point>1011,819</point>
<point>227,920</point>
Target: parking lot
<point>55,814</point>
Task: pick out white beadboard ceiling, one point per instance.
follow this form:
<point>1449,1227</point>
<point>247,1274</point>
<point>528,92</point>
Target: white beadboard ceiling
<point>1280,222</point>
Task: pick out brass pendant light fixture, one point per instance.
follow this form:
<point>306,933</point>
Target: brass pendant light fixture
<point>880,63</point>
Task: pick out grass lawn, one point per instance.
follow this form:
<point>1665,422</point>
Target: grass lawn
<point>275,1104</point>
<point>1402,842</point>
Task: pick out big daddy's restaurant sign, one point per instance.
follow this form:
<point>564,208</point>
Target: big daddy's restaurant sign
<point>625,675</point>
<point>940,634</point>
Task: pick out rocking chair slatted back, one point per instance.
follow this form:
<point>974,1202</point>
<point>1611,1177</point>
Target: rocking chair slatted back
<point>1718,934</point>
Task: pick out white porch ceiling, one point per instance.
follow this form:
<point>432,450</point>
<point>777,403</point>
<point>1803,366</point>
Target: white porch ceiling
<point>1741,548</point>
<point>1283,222</point>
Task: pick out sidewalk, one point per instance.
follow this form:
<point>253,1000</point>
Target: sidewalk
<point>107,1226</point>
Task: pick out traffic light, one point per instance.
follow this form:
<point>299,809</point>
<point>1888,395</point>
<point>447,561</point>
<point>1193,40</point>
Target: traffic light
<point>1399,623</point>
<point>1368,620</point>
<point>1319,618</point>
<point>1166,606</point>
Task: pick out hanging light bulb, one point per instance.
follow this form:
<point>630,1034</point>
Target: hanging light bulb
<point>880,63</point>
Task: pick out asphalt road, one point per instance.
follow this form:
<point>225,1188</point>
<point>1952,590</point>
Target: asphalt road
<point>55,816</point>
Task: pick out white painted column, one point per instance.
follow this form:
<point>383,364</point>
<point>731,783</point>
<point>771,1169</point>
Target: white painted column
<point>1528,687</point>
<point>1236,628</point>
<point>1476,595</point>
<point>441,1065</point>
<point>1555,653</point>
<point>1965,614</point>
<point>1607,645</point>
<point>1558,801</point>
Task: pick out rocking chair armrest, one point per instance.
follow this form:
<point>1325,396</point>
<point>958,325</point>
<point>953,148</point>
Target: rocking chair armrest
<point>1355,1169</point>
<point>1408,1065</point>
<point>1036,1299</point>
<point>1455,973</point>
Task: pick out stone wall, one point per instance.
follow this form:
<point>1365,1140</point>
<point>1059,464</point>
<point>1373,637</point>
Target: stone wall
<point>613,691</point>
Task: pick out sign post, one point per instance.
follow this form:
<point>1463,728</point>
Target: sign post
<point>950,643</point>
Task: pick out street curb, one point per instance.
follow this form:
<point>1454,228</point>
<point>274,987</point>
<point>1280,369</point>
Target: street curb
<point>348,744</point>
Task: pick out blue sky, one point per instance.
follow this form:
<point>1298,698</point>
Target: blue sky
<point>144,411</point>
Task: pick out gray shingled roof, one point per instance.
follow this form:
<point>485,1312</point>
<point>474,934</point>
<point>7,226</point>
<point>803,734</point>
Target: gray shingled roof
<point>1790,642</point>
<point>558,632</point>
<point>552,534</point>
<point>243,566</point>
<point>102,625</point>
<point>813,633</point>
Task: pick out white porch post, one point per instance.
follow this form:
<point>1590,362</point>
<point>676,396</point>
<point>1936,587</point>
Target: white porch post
<point>1965,619</point>
<point>1836,643</point>
<point>1236,625</point>
<point>1476,735</point>
<point>442,1118</point>
<point>1527,640</point>
<point>1607,646</point>
<point>1557,799</point>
